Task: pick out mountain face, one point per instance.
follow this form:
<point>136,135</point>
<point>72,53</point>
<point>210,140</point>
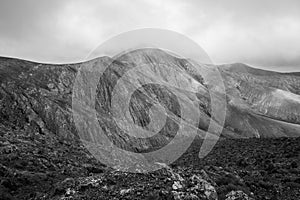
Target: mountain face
<point>37,98</point>
<point>142,100</point>
<point>269,100</point>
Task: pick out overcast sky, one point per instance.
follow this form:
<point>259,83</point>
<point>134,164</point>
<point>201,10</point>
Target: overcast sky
<point>262,33</point>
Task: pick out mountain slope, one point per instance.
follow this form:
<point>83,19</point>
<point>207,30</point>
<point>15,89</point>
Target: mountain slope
<point>37,98</point>
<point>42,156</point>
<point>272,97</point>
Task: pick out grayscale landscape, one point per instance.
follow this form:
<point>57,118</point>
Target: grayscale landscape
<point>149,100</point>
<point>42,154</point>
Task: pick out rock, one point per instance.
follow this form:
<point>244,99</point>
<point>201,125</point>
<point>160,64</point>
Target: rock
<point>194,188</point>
<point>179,195</point>
<point>191,197</point>
<point>91,181</point>
<point>174,175</point>
<point>237,195</point>
<point>70,192</point>
<point>125,191</point>
<point>63,186</point>
<point>94,169</point>
<point>177,185</point>
<point>202,188</point>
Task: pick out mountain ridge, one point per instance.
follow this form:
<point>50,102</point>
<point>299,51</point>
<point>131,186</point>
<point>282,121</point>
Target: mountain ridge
<point>51,85</point>
<point>100,57</point>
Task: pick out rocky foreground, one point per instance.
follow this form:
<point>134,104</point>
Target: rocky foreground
<point>40,167</point>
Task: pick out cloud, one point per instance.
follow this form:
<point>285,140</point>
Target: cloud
<point>260,32</point>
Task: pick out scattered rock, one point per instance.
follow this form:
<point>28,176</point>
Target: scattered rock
<point>237,195</point>
<point>202,188</point>
<point>179,195</point>
<point>63,186</point>
<point>177,185</point>
<point>125,191</point>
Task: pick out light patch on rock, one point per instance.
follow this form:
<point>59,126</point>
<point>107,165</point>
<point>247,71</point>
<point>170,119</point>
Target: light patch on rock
<point>176,185</point>
<point>287,95</point>
<point>125,191</point>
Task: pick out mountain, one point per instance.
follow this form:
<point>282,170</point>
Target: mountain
<point>38,97</point>
<point>149,88</point>
<point>270,100</point>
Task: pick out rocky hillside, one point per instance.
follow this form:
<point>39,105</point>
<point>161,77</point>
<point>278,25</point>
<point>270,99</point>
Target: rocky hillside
<point>38,97</point>
<point>42,156</point>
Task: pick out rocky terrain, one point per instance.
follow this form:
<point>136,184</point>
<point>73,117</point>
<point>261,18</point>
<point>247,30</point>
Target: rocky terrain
<point>41,168</point>
<point>43,156</point>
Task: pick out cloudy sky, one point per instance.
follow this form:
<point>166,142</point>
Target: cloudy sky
<point>262,33</point>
